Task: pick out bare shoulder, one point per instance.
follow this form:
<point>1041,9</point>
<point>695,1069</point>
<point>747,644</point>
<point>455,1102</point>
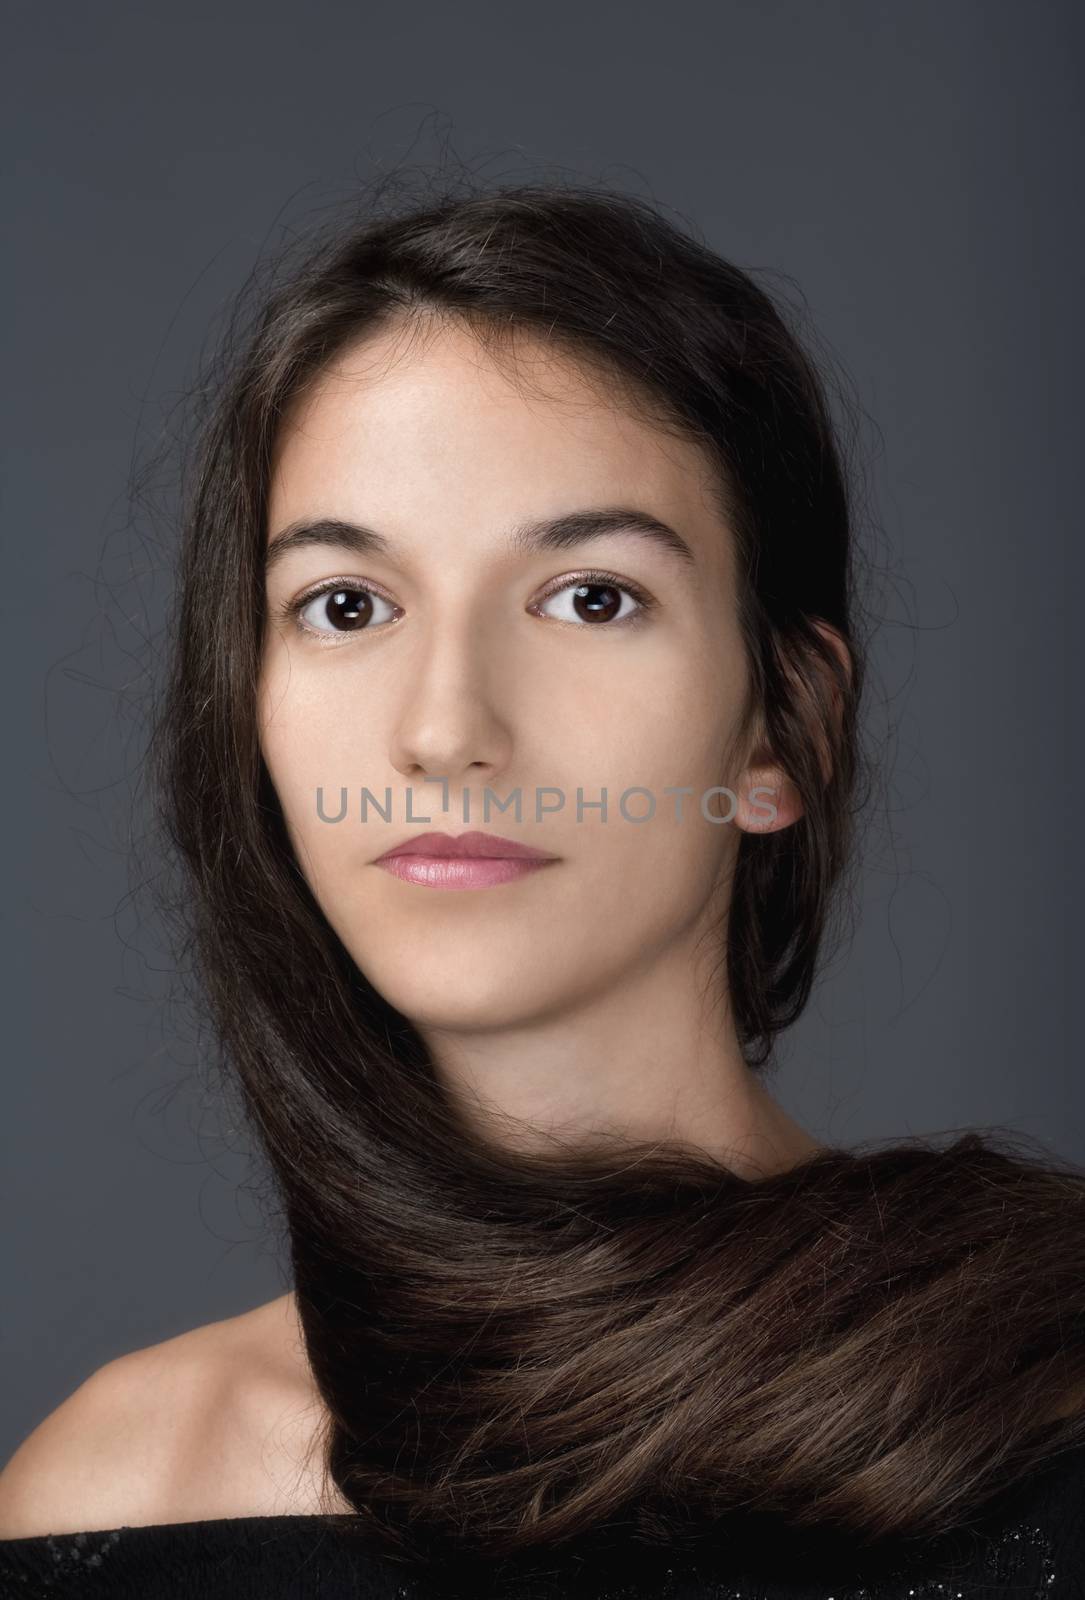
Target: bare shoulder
<point>85,1456</point>
<point>218,1421</point>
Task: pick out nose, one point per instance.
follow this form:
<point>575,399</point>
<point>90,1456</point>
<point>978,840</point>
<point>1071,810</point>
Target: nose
<point>448,723</point>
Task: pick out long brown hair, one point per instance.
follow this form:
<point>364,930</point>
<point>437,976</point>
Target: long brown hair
<point>516,1350</point>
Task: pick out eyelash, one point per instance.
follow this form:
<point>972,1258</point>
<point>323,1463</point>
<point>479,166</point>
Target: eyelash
<point>292,609</point>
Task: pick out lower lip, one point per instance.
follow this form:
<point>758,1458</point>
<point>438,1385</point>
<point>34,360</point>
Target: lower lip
<point>461,872</point>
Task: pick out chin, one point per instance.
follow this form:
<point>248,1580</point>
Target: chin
<point>486,1000</point>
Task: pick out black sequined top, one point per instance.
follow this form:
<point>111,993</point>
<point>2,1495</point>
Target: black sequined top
<point>1027,1543</point>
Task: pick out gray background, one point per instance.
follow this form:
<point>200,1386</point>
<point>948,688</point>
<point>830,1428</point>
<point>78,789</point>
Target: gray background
<point>914,168</point>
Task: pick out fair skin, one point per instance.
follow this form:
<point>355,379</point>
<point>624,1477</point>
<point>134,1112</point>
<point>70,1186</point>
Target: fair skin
<point>581,999</point>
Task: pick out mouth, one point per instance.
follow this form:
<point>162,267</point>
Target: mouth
<point>462,861</point>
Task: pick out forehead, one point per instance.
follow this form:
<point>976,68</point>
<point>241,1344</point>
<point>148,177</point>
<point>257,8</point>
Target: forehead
<point>401,426</point>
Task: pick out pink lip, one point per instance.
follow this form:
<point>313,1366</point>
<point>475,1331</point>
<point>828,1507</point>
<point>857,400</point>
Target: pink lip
<point>476,846</point>
<point>462,861</point>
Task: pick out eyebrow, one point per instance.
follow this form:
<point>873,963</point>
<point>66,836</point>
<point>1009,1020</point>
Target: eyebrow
<point>548,533</point>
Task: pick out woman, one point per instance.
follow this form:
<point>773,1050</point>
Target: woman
<point>511,754</point>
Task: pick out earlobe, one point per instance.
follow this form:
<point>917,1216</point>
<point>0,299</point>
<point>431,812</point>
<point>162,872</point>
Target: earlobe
<point>767,801</point>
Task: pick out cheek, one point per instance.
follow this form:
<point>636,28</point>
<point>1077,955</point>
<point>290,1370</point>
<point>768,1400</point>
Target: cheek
<point>669,730</point>
<point>673,733</point>
<point>313,748</point>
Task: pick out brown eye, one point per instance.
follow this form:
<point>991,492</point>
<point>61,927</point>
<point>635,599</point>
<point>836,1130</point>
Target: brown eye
<point>341,610</point>
<point>594,601</point>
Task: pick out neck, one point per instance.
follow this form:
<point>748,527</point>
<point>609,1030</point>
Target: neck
<point>644,1059</point>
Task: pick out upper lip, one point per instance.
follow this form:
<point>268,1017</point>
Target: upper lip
<point>475,845</point>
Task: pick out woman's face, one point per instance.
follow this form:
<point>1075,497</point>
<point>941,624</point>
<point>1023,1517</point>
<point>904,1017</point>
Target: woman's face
<point>454,653</point>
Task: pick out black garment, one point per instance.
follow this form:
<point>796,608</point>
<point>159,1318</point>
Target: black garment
<point>1028,1543</point>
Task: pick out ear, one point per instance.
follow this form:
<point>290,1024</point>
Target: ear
<point>831,689</point>
<point>767,800</point>
<point>767,797</point>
